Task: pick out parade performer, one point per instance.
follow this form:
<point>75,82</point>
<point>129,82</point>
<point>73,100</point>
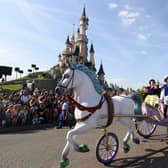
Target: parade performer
<point>153,88</point>
<point>152,93</point>
<point>164,96</point>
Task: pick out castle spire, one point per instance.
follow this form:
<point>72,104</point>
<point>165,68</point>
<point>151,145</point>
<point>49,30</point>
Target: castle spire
<point>101,71</point>
<point>92,59</point>
<point>73,34</point>
<point>82,37</point>
<point>84,12</point>
<point>67,41</point>
<point>91,49</point>
<point>83,22</point>
<point>101,75</point>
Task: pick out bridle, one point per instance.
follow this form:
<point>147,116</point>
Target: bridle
<point>67,85</point>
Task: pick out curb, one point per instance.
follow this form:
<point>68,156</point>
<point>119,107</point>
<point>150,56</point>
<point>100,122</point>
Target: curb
<point>26,128</point>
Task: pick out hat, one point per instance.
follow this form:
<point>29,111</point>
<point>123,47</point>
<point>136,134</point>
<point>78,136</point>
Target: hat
<point>32,101</point>
<point>9,107</point>
<point>165,78</point>
<point>41,99</point>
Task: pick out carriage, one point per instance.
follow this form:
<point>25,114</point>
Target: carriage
<point>94,109</point>
<point>146,123</point>
<point>153,110</point>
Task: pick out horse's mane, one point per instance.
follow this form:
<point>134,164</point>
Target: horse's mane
<point>98,87</point>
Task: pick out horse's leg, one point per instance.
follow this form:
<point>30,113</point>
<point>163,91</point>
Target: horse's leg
<point>130,133</point>
<point>78,129</point>
<point>133,137</point>
<point>64,160</point>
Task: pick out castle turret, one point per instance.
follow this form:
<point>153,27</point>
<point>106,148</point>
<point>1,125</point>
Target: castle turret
<point>73,38</point>
<point>101,77</point>
<point>59,60</point>
<point>78,33</point>
<point>83,22</point>
<point>82,39</point>
<point>67,53</point>
<point>101,74</point>
<point>68,44</point>
<point>75,55</point>
<point>92,59</point>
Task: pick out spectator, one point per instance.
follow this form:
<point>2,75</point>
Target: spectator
<point>21,108</point>
<point>2,115</point>
<point>64,115</point>
<point>25,97</point>
<point>164,96</point>
<point>23,115</point>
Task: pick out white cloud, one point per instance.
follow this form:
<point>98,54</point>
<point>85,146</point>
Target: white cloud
<point>33,12</point>
<point>141,37</point>
<point>128,17</point>
<point>116,80</point>
<point>148,16</point>
<point>3,51</point>
<point>11,56</point>
<point>124,82</point>
<point>113,5</point>
<point>143,52</point>
<point>128,7</point>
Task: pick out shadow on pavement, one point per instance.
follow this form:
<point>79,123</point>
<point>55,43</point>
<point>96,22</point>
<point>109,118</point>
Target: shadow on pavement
<point>146,161</point>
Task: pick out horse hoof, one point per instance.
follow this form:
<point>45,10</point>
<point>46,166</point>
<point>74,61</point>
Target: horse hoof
<point>64,163</point>
<point>83,148</point>
<point>126,148</point>
<point>136,141</point>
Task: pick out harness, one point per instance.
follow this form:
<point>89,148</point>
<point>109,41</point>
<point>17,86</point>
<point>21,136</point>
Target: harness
<point>93,109</point>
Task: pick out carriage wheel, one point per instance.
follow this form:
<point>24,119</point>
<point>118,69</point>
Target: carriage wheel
<point>107,148</point>
<point>144,128</point>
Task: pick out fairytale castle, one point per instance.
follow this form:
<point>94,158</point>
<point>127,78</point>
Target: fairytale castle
<point>76,49</point>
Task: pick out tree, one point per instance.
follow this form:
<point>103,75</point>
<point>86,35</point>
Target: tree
<point>4,70</point>
<point>33,66</point>
<point>36,68</point>
<point>29,70</point>
<point>21,72</point>
<point>17,69</point>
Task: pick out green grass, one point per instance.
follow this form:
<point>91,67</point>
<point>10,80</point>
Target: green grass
<point>18,83</point>
<point>27,78</point>
<point>11,87</point>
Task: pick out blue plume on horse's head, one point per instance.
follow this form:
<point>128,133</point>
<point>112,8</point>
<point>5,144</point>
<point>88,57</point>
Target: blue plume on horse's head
<point>71,65</point>
<point>89,73</point>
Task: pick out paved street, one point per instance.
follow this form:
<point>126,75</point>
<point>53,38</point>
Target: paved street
<point>42,149</point>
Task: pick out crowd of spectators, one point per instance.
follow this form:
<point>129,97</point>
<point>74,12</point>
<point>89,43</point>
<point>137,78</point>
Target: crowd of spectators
<point>25,107</point>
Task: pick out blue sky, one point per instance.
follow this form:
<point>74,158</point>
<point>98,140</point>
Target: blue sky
<point>130,37</point>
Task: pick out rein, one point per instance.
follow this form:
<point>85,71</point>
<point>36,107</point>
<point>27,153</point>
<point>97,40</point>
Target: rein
<point>82,108</point>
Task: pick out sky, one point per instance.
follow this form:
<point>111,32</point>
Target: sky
<point>130,37</point>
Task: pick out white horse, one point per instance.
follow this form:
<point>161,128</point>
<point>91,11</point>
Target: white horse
<point>87,94</point>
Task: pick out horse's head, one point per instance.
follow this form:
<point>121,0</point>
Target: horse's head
<point>66,82</point>
<point>78,75</point>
